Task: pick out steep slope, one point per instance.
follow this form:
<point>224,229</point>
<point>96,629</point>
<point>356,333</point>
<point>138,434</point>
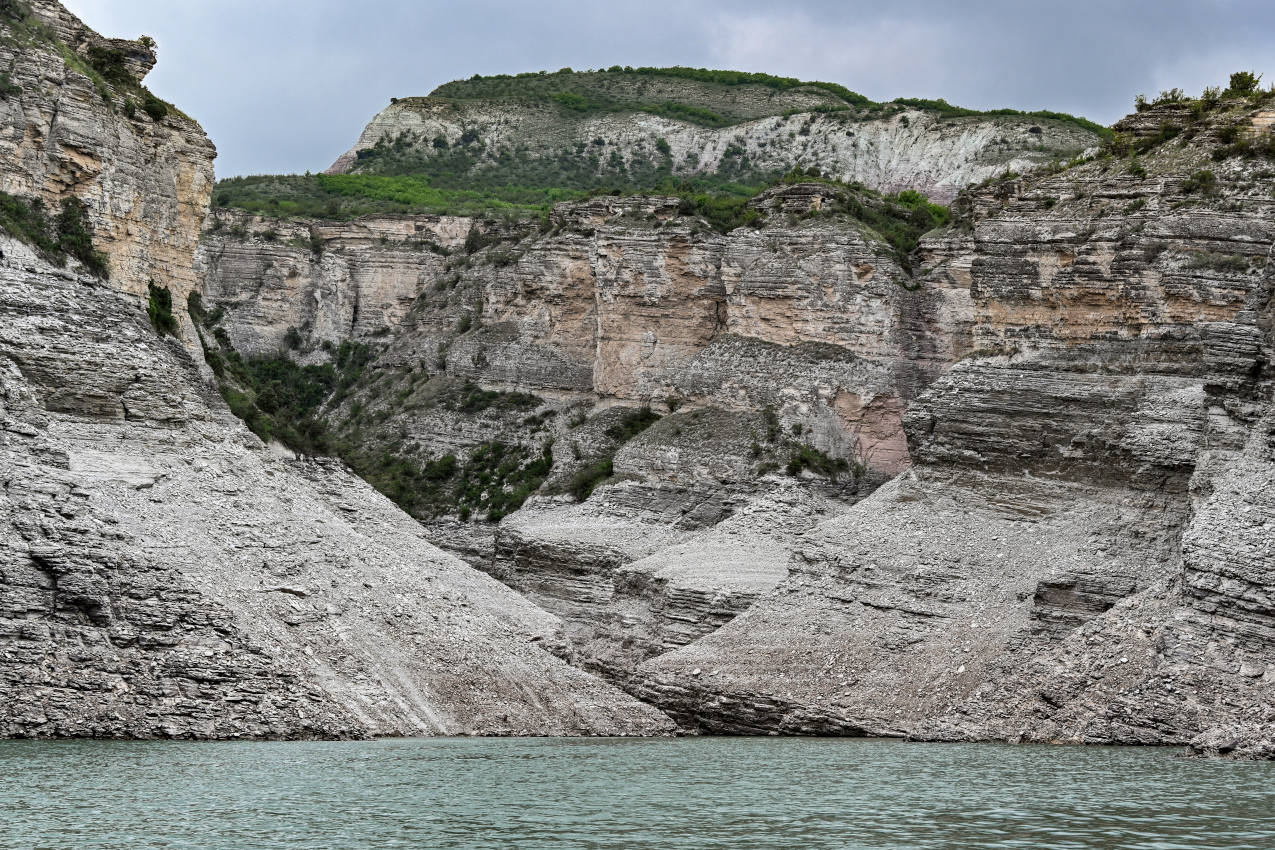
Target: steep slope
<point>534,364</point>
<point>580,129</point>
<point>76,122</point>
<point>162,572</point>
<point>1082,551</point>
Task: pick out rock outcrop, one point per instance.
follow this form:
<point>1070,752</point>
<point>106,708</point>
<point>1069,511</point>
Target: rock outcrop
<point>67,131</point>
<point>1082,551</point>
<point>163,573</point>
<point>1072,385</point>
<point>767,131</point>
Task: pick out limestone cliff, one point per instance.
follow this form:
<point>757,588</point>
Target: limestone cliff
<point>163,573</point>
<point>1082,550</point>
<point>615,126</point>
<point>1071,383</point>
<point>68,131</point>
<point>792,347</point>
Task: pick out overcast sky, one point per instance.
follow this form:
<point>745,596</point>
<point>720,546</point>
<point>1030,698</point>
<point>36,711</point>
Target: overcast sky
<point>287,85</point>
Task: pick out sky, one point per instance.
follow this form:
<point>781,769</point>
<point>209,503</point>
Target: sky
<point>286,86</point>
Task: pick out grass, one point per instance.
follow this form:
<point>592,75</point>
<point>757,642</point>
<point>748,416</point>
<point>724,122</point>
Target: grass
<point>347,196</point>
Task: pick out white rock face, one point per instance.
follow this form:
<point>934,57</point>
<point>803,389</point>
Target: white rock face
<point>146,182</point>
<point>163,573</point>
<point>909,150</point>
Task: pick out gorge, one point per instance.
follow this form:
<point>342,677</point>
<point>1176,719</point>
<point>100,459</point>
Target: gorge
<point>636,402</point>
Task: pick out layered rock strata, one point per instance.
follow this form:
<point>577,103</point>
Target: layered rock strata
<point>1079,553</point>
<point>69,133</point>
<point>909,149</point>
<point>165,574</point>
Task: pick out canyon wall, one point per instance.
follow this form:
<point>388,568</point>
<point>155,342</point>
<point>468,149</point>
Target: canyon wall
<point>68,132</point>
<point>902,149</point>
<point>163,573</point>
<point>1082,550</point>
<point>1070,387</point>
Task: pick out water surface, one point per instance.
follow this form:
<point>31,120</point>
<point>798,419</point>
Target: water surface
<point>750,793</point>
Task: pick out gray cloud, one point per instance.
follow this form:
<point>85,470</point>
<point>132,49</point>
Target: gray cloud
<point>287,85</point>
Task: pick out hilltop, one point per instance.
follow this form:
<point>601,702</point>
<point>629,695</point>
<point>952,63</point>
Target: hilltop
<point>524,142</point>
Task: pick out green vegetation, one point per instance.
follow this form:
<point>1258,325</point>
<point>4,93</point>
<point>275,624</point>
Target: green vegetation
<point>1243,83</point>
<point>589,478</point>
<point>470,398</point>
<point>279,399</point>
<point>723,212</point>
<point>632,423</point>
<point>614,88</point>
<point>806,457</point>
<point>1204,182</point>
<point>8,88</point>
<point>347,196</point>
<point>494,480</point>
<point>159,309</point>
<point>13,10</point>
<point>947,110</point>
<point>68,235</point>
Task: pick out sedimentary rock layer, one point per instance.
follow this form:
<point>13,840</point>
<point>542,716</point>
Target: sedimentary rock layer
<point>165,574</point>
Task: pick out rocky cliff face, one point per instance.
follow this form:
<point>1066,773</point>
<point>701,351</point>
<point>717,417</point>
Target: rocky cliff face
<point>1071,386</point>
<point>1079,553</point>
<point>68,131</point>
<point>162,572</point>
<point>616,127</point>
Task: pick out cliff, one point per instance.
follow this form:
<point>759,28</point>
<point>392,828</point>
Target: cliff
<point>77,122</point>
<point>1080,552</point>
<point>622,127</point>
<point>1009,485</point>
<point>163,573</point>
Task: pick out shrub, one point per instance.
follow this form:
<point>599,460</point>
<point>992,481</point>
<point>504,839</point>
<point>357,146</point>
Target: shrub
<point>75,238</point>
<point>13,10</point>
<point>632,423</point>
<point>1243,83</point>
<point>110,63</point>
<point>153,106</point>
<point>586,480</point>
<point>805,457</point>
<point>159,309</point>
<point>1204,182</point>
<point>8,88</point>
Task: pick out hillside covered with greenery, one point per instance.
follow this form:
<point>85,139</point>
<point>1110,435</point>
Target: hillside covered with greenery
<point>464,173</point>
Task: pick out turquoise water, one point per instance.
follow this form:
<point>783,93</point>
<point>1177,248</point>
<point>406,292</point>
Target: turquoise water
<point>688,793</point>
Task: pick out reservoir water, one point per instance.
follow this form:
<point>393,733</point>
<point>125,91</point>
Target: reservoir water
<point>617,793</point>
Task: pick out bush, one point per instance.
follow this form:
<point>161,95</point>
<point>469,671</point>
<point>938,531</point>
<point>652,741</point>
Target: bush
<point>159,309</point>
<point>69,235</point>
<point>632,423</point>
<point>110,63</point>
<point>1243,83</point>
<point>13,10</point>
<point>586,480</point>
<point>1204,182</point>
<point>75,237</point>
<point>153,106</point>
<point>8,88</point>
<point>807,457</point>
